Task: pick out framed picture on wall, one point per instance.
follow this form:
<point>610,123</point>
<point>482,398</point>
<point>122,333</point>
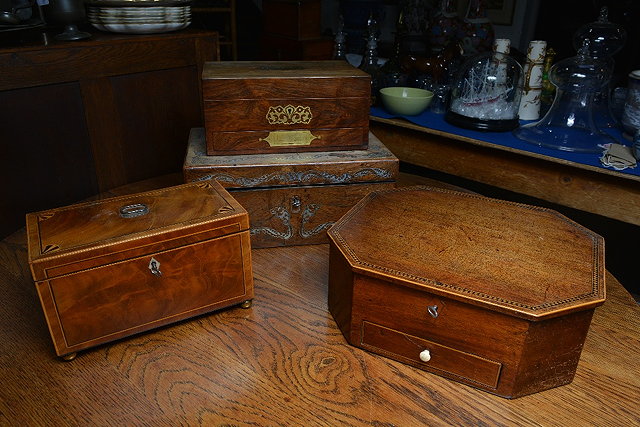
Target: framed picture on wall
<point>500,12</point>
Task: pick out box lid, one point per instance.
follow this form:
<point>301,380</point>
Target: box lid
<point>375,164</point>
<point>283,79</point>
<point>523,260</point>
<point>84,235</point>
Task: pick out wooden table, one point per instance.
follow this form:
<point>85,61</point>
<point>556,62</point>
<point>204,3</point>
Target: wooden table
<point>596,190</point>
<point>282,362</point>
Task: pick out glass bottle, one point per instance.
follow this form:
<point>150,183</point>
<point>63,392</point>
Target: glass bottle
<point>391,73</point>
<point>477,32</point>
<point>369,62</point>
<point>340,41</point>
<point>548,89</point>
<point>444,26</point>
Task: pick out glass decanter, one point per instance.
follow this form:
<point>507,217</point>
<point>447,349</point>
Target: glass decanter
<point>605,40</point>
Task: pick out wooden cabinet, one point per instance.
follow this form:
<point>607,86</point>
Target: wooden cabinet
<point>292,31</point>
<point>83,117</point>
<point>221,16</point>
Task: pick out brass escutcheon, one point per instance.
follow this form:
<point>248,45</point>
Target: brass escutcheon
<point>289,138</point>
<point>289,115</point>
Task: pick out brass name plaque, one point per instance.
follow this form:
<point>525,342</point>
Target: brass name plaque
<point>289,115</point>
<point>289,138</point>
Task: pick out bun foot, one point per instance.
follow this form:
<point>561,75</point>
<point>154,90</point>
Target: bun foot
<point>69,357</point>
<point>246,304</point>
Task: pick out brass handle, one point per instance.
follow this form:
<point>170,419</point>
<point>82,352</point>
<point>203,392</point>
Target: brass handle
<point>134,210</point>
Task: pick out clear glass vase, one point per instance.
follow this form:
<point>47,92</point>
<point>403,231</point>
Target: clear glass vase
<point>569,124</point>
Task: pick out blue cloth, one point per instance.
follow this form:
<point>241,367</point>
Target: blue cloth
<point>507,139</point>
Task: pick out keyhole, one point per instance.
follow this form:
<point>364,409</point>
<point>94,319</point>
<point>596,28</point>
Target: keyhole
<point>154,266</point>
<point>433,310</point>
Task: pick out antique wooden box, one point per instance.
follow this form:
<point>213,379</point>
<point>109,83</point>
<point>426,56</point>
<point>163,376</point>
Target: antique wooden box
<point>115,267</point>
<point>494,294</point>
<point>293,198</point>
<point>285,106</point>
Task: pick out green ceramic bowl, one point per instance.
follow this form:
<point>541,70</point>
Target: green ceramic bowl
<point>405,101</point>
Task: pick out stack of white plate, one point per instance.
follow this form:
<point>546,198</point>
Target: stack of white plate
<point>139,16</point>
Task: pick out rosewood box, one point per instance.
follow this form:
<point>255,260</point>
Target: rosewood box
<point>493,294</point>
<point>111,268</point>
<point>293,198</point>
<point>285,106</point>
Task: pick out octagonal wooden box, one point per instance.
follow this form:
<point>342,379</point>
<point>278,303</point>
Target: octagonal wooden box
<point>493,294</point>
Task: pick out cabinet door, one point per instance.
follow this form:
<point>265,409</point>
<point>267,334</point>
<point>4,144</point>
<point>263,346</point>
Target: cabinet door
<point>46,155</point>
<point>140,123</point>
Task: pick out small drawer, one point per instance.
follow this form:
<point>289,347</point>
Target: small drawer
<point>420,313</point>
<point>430,356</point>
<point>268,142</point>
<point>283,114</point>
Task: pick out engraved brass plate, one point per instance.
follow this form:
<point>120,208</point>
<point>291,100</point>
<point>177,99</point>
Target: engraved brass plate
<point>289,115</point>
<point>289,138</point>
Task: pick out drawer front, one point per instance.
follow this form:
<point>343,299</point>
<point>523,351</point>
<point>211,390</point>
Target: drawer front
<point>119,299</point>
<point>430,356</point>
<point>433,317</point>
<point>299,215</point>
<point>286,141</point>
<point>285,114</point>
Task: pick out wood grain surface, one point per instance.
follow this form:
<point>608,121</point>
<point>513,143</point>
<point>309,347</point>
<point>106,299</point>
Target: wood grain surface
<point>282,362</point>
<point>522,260</point>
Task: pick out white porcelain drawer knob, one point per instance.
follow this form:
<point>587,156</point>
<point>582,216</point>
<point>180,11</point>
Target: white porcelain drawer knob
<point>425,355</point>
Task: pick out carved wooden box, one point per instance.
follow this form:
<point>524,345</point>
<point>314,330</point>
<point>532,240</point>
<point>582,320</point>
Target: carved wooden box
<point>286,106</point>
<point>493,294</point>
<point>108,269</point>
<point>293,198</point>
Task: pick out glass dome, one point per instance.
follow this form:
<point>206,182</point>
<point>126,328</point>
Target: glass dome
<point>605,38</point>
<point>569,124</point>
<point>486,93</point>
